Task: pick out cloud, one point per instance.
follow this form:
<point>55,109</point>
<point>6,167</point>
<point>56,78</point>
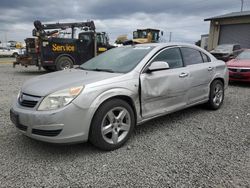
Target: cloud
<point>185,19</point>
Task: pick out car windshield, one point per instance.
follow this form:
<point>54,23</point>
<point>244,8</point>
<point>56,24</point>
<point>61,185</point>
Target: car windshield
<point>224,47</point>
<point>120,60</point>
<point>244,55</point>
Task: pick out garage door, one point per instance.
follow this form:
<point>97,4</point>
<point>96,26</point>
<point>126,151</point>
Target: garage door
<point>237,33</point>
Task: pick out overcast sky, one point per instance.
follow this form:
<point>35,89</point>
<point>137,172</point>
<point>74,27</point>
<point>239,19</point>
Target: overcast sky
<point>185,19</point>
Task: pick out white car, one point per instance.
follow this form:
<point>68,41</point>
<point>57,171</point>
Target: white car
<point>10,52</point>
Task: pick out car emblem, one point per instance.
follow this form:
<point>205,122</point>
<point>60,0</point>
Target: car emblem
<point>238,70</point>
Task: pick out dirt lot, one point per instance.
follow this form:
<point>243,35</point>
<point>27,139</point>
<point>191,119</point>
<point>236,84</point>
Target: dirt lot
<point>4,60</point>
<point>191,148</point>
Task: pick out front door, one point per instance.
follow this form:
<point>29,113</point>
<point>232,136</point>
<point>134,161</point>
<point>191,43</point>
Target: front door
<point>85,46</point>
<point>165,90</point>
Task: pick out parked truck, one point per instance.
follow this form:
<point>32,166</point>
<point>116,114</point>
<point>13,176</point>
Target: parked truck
<point>51,50</point>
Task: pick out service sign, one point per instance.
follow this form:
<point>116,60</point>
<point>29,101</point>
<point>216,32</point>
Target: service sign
<point>63,48</point>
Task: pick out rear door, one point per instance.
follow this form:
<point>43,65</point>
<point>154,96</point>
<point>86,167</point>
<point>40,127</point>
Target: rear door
<point>164,90</point>
<point>201,72</point>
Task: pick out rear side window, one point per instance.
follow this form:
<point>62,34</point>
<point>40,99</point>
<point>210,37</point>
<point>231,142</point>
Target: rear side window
<point>205,58</point>
<point>172,56</point>
<point>191,56</point>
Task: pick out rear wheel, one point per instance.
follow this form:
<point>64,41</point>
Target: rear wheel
<point>15,55</point>
<point>112,125</point>
<point>64,63</point>
<point>216,96</point>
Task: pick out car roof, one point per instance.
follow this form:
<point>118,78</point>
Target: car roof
<point>160,45</point>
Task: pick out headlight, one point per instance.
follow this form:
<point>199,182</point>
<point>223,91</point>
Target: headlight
<point>60,98</point>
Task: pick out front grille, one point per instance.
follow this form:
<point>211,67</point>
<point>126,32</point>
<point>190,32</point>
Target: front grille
<point>239,70</point>
<point>245,70</point>
<point>30,104</point>
<point>27,100</point>
<point>46,132</point>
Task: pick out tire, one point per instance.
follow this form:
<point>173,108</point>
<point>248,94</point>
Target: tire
<point>49,68</point>
<point>64,62</point>
<point>15,55</point>
<point>216,95</point>
<point>108,131</point>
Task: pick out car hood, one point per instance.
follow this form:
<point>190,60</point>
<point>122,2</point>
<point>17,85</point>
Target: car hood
<point>220,51</point>
<point>238,63</point>
<point>51,82</point>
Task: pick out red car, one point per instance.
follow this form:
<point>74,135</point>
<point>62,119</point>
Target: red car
<point>239,68</point>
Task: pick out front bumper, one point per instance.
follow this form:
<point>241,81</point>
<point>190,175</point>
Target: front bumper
<point>239,76</point>
<point>66,125</point>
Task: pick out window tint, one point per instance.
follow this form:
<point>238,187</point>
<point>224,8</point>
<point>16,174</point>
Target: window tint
<point>205,57</point>
<point>191,56</point>
<point>171,56</point>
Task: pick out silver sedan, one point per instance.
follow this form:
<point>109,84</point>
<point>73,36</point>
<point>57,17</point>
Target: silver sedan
<point>103,99</point>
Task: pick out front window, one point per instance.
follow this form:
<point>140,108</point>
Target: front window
<point>244,55</point>
<point>142,34</point>
<point>120,60</point>
<point>172,56</point>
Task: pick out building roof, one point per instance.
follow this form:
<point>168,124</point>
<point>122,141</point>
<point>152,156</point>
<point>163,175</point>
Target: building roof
<point>229,15</point>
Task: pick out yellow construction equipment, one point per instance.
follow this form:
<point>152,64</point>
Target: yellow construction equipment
<point>142,36</point>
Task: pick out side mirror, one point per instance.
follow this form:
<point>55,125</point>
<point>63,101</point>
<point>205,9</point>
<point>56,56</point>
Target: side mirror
<point>157,66</point>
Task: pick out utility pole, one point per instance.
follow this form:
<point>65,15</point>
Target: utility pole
<point>170,36</point>
<point>242,4</point>
<point>5,36</point>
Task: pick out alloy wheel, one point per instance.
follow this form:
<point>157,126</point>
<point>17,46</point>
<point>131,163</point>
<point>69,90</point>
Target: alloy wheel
<point>218,94</point>
<point>116,125</point>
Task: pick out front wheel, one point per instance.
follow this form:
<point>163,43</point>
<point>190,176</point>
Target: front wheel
<point>112,125</point>
<point>64,62</point>
<point>216,96</point>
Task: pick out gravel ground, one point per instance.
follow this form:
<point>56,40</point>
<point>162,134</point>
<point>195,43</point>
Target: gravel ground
<point>191,148</point>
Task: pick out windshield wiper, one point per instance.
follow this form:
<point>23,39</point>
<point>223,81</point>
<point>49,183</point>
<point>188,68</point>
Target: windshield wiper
<point>104,70</point>
<point>96,69</point>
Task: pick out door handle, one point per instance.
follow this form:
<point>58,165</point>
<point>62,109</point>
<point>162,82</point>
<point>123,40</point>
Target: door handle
<point>183,75</point>
<point>210,68</point>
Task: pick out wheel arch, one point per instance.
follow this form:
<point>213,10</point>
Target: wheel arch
<point>101,100</point>
<point>220,79</point>
<point>65,55</point>
<point>125,98</point>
